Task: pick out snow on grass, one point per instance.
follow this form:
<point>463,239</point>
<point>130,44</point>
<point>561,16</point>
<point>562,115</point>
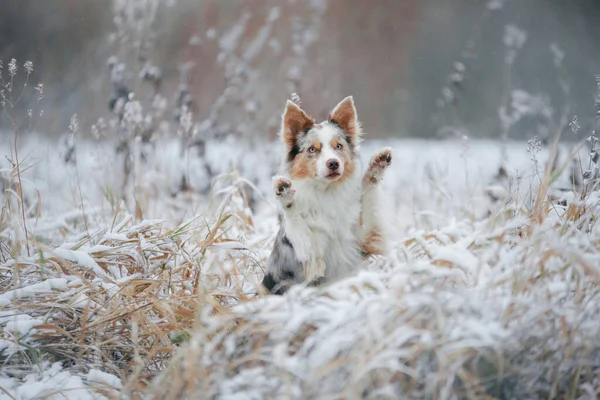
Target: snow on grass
<point>45,286</point>
<point>51,381</point>
<point>482,295</point>
<point>95,375</point>
<point>417,330</point>
<point>82,259</point>
<point>425,176</point>
<point>21,324</point>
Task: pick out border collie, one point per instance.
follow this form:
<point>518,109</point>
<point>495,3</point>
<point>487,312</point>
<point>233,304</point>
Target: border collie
<point>329,220</point>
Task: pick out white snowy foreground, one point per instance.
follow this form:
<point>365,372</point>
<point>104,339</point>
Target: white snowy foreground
<point>479,298</point>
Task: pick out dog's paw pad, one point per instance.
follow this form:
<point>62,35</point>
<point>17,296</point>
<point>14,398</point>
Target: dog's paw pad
<point>283,190</point>
<point>378,164</point>
<point>383,159</point>
<point>282,185</point>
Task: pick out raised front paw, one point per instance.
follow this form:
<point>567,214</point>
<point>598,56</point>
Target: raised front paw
<point>283,191</point>
<point>377,165</point>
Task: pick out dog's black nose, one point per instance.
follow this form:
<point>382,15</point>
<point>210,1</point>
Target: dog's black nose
<point>333,164</point>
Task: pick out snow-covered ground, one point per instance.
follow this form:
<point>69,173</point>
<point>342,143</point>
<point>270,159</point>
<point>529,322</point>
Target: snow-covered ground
<point>429,180</point>
<point>478,297</point>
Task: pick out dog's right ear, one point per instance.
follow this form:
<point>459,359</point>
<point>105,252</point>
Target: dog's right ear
<point>294,122</point>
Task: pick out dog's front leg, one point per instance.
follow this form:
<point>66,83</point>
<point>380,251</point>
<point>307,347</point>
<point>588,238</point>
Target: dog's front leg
<point>283,268</point>
<point>313,269</point>
<point>373,237</point>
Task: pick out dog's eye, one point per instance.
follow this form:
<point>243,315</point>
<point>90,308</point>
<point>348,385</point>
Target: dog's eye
<point>339,146</point>
<point>312,149</point>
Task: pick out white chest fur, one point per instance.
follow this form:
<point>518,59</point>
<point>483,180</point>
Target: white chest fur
<point>323,226</point>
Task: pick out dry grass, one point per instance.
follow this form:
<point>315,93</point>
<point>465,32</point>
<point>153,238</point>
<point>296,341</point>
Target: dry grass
<point>125,298</point>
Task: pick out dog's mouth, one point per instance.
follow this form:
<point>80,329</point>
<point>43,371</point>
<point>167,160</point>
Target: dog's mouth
<point>334,175</point>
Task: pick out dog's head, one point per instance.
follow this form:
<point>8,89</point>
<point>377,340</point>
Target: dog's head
<point>323,151</point>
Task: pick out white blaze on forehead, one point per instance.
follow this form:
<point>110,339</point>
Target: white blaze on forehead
<point>325,135</point>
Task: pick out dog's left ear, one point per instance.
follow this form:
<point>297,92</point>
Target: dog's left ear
<point>344,115</point>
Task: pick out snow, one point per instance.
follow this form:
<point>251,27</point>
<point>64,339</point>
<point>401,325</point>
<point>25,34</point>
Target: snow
<point>428,188</point>
<point>50,382</point>
<point>20,324</point>
<point>95,375</point>
<point>83,259</point>
<point>461,290</point>
<point>44,286</point>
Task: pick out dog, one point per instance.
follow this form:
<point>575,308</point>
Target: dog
<point>329,220</point>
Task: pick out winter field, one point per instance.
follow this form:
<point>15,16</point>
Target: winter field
<point>131,249</point>
<point>490,291</point>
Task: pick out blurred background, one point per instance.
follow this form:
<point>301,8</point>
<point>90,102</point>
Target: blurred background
<point>425,68</point>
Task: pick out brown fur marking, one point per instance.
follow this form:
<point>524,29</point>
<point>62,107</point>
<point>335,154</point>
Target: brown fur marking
<point>373,243</point>
<point>334,142</point>
<point>304,166</point>
<point>317,145</point>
